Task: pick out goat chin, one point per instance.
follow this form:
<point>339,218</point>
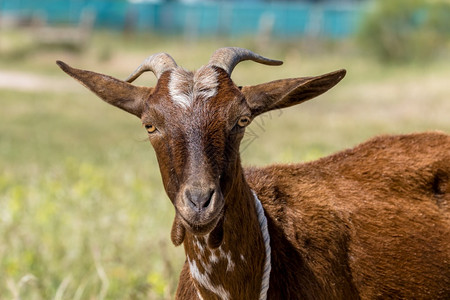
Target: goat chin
<point>214,236</point>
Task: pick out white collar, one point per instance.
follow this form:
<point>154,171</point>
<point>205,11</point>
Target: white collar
<point>266,237</point>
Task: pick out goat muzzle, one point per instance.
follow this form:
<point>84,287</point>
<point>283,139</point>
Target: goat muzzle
<point>200,208</point>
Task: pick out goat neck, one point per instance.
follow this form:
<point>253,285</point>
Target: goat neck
<point>234,269</point>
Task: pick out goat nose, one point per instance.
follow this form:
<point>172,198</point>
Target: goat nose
<point>198,199</point>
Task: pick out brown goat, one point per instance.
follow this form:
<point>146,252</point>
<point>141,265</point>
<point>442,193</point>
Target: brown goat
<point>369,222</point>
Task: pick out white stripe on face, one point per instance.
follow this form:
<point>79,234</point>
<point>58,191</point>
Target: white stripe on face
<point>185,87</point>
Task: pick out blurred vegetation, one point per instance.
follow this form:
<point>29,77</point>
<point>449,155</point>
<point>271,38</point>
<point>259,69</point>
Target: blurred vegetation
<point>83,214</point>
<point>407,30</point>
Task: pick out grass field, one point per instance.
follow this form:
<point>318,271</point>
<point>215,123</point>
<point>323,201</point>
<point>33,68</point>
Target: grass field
<point>83,214</point>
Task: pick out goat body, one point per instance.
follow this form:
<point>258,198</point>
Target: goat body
<point>369,222</point>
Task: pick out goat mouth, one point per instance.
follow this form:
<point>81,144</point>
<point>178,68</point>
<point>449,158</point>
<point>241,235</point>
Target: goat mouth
<point>199,226</point>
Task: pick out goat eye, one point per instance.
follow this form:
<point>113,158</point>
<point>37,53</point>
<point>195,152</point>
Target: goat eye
<point>150,128</point>
<point>243,121</point>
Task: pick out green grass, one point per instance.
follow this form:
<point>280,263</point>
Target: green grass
<point>76,202</point>
<point>83,214</point>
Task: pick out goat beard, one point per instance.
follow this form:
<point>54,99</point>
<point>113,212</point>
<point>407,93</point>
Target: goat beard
<point>178,233</point>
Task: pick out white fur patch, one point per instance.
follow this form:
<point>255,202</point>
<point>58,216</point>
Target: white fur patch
<point>200,247</point>
<point>199,295</point>
<point>181,87</point>
<point>205,83</point>
<point>213,258</point>
<point>227,257</point>
<point>185,86</point>
<point>230,262</point>
<point>207,267</point>
<point>204,280</point>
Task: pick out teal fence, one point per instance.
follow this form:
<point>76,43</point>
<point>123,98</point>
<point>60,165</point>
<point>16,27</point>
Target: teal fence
<point>203,18</point>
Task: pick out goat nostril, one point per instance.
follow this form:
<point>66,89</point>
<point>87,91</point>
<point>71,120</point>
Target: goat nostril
<point>191,200</point>
<point>208,199</point>
<point>198,200</point>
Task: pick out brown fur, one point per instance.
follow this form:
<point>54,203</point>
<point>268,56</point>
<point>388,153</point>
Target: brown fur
<point>369,222</point>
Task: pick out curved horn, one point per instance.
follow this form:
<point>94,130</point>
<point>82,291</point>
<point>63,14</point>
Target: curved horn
<point>228,58</point>
<point>157,63</point>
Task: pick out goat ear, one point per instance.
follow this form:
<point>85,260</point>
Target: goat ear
<point>287,92</point>
<point>114,91</point>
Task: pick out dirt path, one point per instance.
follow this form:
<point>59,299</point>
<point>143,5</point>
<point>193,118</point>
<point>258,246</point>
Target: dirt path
<point>16,80</point>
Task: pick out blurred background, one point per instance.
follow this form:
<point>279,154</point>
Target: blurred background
<point>83,214</point>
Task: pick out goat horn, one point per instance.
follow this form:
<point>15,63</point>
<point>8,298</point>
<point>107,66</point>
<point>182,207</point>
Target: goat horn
<point>157,63</point>
<point>228,58</point>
